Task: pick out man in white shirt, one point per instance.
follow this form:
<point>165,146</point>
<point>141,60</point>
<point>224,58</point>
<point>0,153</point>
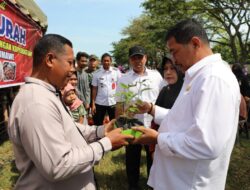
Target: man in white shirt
<point>104,85</point>
<point>139,77</point>
<point>196,137</point>
<point>51,151</point>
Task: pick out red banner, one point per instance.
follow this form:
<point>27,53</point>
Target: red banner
<point>18,35</point>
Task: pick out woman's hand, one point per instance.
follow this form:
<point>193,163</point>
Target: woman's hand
<point>144,107</point>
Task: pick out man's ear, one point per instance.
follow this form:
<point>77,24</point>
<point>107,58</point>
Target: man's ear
<point>49,59</point>
<point>196,42</point>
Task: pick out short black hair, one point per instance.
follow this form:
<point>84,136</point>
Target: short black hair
<point>106,55</point>
<point>81,54</point>
<point>185,30</point>
<point>49,42</point>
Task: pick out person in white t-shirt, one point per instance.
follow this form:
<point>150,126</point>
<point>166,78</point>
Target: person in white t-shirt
<point>197,135</point>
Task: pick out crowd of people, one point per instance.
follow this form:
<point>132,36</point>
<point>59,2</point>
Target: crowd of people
<point>189,113</point>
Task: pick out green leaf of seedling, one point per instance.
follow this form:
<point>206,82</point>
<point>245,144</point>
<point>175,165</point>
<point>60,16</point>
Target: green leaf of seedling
<point>124,86</point>
<point>118,94</point>
<point>129,93</point>
<point>139,101</point>
<point>128,96</point>
<point>133,109</point>
<point>134,95</point>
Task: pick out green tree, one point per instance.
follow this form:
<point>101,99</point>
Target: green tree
<point>138,33</point>
<point>229,25</point>
<point>226,21</point>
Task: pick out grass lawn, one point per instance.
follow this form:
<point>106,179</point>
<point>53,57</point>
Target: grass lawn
<point>111,175</point>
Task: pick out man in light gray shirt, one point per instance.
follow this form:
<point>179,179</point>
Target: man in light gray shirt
<point>51,151</point>
<point>83,80</point>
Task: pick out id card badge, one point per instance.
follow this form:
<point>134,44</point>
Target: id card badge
<point>113,85</point>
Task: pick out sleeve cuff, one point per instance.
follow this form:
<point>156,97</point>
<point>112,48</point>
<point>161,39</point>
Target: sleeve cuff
<point>100,147</point>
<point>106,144</point>
<point>160,114</point>
<point>100,131</point>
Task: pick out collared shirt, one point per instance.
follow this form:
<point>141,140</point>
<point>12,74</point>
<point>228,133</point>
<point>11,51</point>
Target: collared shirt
<point>152,80</point>
<point>197,135</point>
<point>50,152</point>
<point>106,83</point>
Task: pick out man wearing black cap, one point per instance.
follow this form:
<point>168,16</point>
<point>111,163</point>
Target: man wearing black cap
<point>152,79</point>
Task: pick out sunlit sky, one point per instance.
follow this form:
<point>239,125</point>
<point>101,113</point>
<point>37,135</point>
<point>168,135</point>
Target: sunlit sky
<point>91,25</point>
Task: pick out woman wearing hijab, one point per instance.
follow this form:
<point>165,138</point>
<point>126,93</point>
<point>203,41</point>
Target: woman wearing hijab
<point>174,78</point>
<point>237,69</point>
<point>168,94</point>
